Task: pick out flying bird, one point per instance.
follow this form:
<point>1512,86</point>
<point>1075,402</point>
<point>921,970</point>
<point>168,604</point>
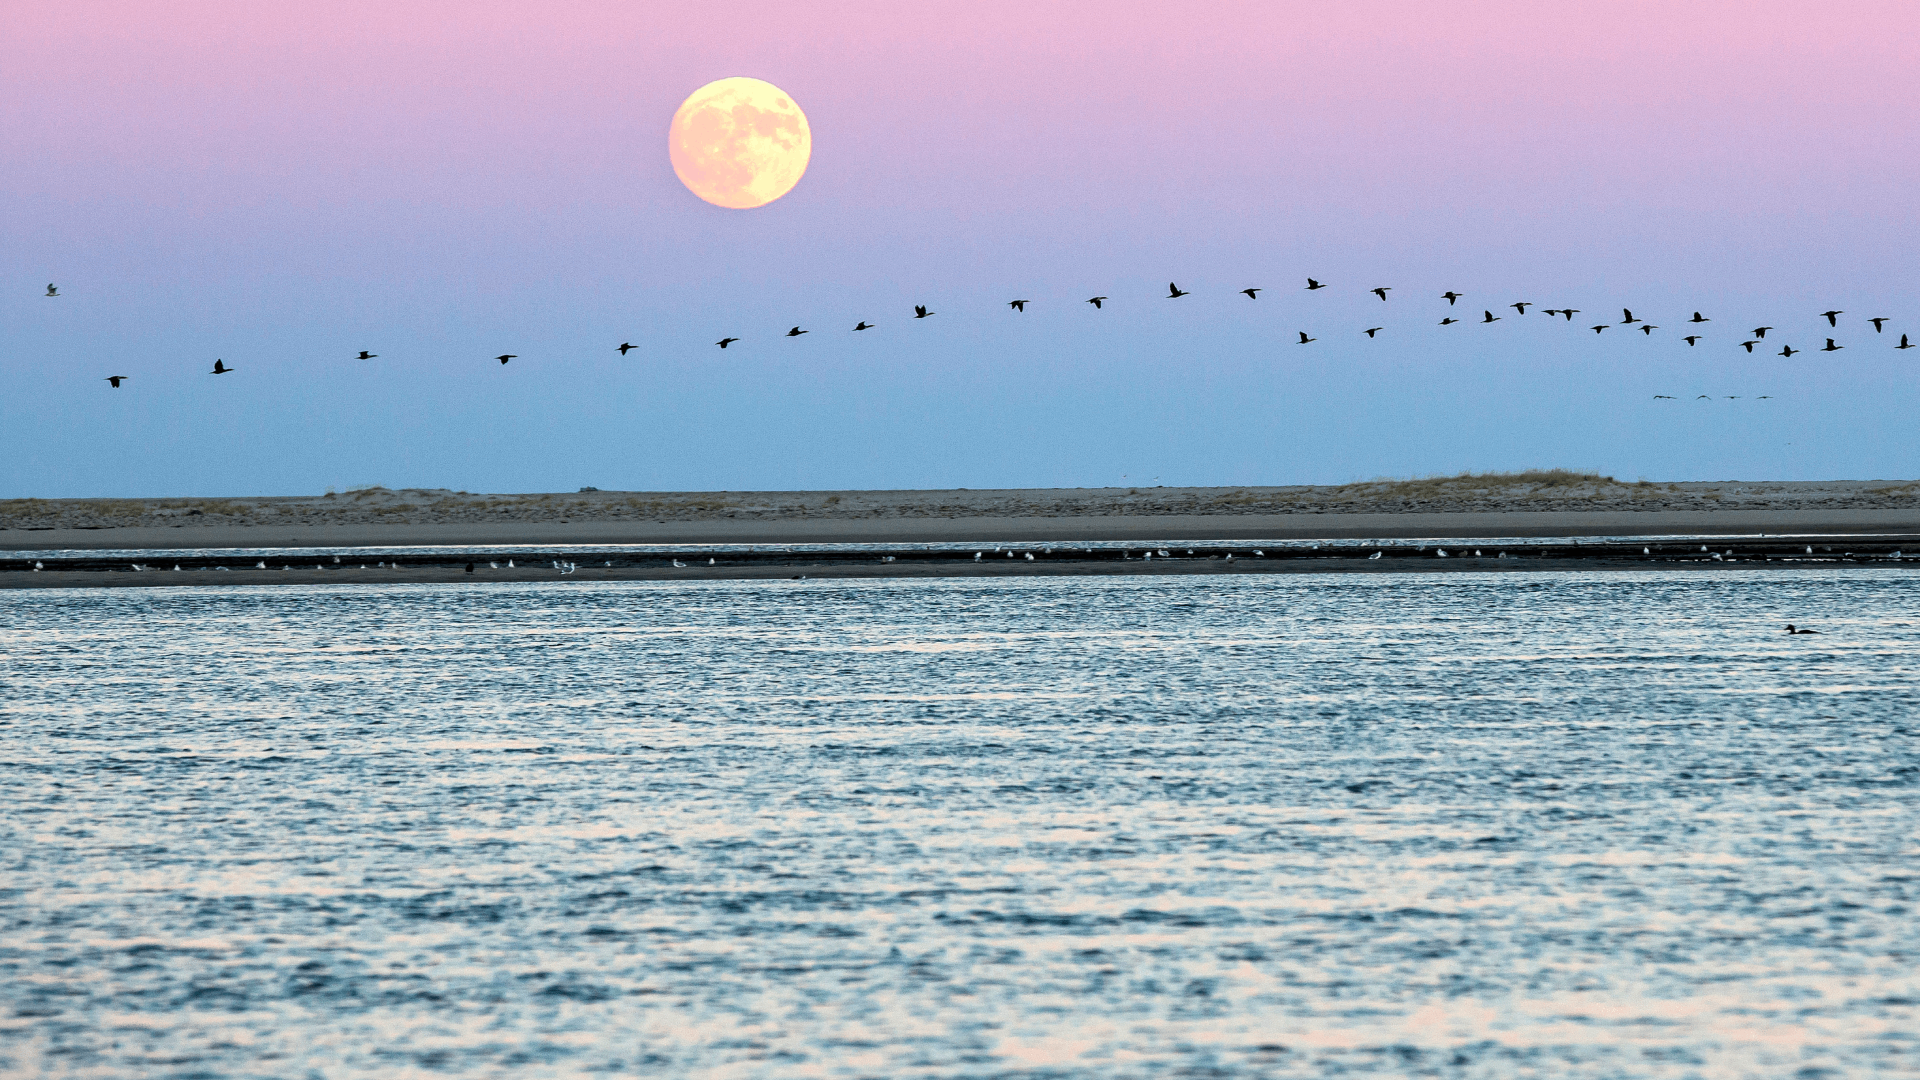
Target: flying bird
<point>1877,323</point>
<point>625,345</point>
<point>1904,343</point>
<point>365,355</point>
<point>1174,292</point>
<point>1522,306</point>
<point>1017,305</point>
<point>219,368</point>
<point>1760,331</point>
<point>1382,291</point>
<point>1658,397</point>
<point>1490,317</point>
<point>1629,320</point>
<point>1690,339</point>
<point>920,311</point>
<point>1252,294</point>
<point>1448,321</point>
<point>1374,330</point>
<point>1599,328</point>
<point>115,380</point>
<point>1831,347</point>
<point>1790,350</point>
<point>1550,311</point>
<point>504,357</point>
<point>1095,301</point>
<point>1451,297</point>
<point>1312,285</point>
<point>1748,345</point>
<point>1570,312</point>
<point>1697,317</point>
<point>796,332</point>
<point>1704,397</point>
<point>864,325</point>
<point>726,341</point>
<point>51,291</point>
<point>1833,317</point>
<point>1304,338</point>
<point>1648,329</point>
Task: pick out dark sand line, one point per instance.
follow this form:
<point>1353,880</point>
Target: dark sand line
<point>1167,528</point>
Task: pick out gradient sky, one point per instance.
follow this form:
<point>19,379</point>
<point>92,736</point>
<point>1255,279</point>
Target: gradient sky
<point>282,185</point>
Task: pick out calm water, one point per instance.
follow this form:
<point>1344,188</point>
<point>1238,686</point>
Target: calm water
<point>1449,825</point>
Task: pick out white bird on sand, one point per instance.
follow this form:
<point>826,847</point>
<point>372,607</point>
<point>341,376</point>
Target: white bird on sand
<point>679,564</point>
<point>1029,557</point>
<point>1375,555</point>
<point>976,556</point>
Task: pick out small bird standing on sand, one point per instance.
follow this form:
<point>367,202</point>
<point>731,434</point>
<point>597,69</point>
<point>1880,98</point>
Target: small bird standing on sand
<point>1904,343</point>
<point>1489,317</point>
<point>1252,294</point>
<point>1174,292</point>
<point>1629,320</point>
<point>864,325</point>
<point>1760,332</point>
<point>1697,317</point>
<point>1690,339</point>
<point>504,357</point>
<point>1382,291</point>
<point>1312,285</point>
<point>1789,351</point>
<point>1748,345</point>
<point>726,341</point>
<point>1017,305</point>
<point>1451,297</point>
<point>1096,301</point>
<point>365,355</point>
<point>1372,330</point>
<point>796,332</point>
<point>1833,317</point>
<point>115,380</point>
<point>219,368</point>
<point>1522,306</point>
<point>1877,323</point>
<point>51,291</point>
<point>1831,347</point>
<point>1304,338</point>
<point>920,311</point>
<point>1791,630</point>
<point>625,345</point>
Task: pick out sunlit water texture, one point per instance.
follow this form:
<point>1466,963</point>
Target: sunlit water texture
<point>1464,825</point>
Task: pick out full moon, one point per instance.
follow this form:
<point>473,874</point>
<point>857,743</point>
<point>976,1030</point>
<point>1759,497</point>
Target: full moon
<point>739,143</point>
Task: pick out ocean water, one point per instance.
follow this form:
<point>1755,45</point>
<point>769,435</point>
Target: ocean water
<point>1460,825</point>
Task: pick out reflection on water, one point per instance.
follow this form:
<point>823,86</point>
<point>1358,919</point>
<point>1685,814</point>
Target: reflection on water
<point>1500,825</point>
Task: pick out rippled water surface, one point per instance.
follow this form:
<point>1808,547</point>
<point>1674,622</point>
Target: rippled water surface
<point>1448,825</point>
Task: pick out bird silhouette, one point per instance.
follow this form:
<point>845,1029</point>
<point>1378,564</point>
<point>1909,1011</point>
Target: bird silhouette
<point>1748,345</point>
<point>1789,351</point>
<point>1599,328</point>
<point>1704,397</point>
<point>1451,297</point>
<point>1374,330</point>
<point>1697,317</point>
<point>1096,302</point>
<point>1877,323</point>
<point>1831,347</point>
<point>1304,338</point>
<point>1174,292</point>
<point>365,355</point>
<point>1760,332</point>
<point>1312,285</point>
<point>1522,306</point>
<point>1658,397</point>
<point>864,325</point>
<point>1017,305</point>
<point>1382,291</point>
<point>1648,329</point>
<point>1733,397</point>
<point>796,332</point>
<point>726,341</point>
<point>1904,343</point>
<point>504,357</point>
<point>625,345</point>
<point>1629,320</point>
<point>1253,294</point>
<point>51,291</point>
<point>1570,312</point>
<point>1690,339</point>
<point>1448,321</point>
<point>1764,397</point>
<point>1490,317</point>
<point>115,380</point>
<point>1791,630</point>
<point>1833,317</point>
<point>920,311</point>
<point>219,368</point>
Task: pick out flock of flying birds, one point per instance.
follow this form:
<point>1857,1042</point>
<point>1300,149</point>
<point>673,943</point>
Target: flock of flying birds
<point>1175,292</point>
